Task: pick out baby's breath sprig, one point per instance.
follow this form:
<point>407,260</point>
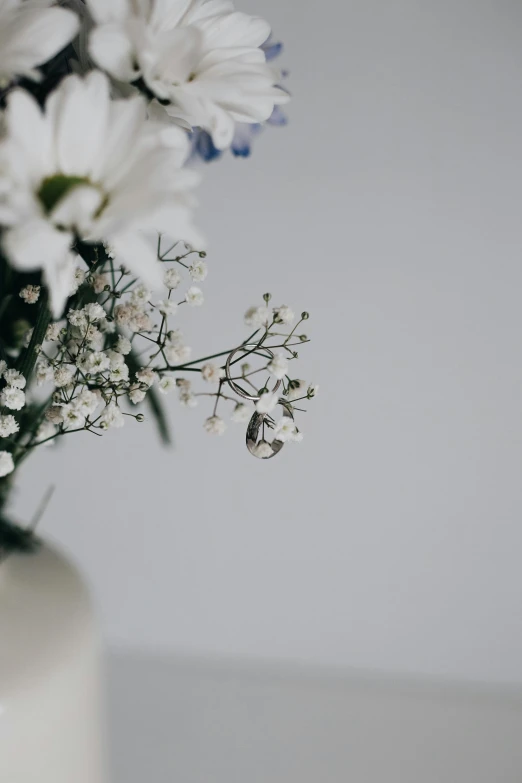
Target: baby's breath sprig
<point>118,345</point>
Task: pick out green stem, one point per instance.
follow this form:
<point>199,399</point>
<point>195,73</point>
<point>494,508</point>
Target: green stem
<point>27,359</point>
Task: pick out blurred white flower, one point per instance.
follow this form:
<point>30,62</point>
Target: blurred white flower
<point>166,307</point>
<point>12,398</point>
<point>112,417</point>
<point>8,426</point>
<point>146,376</point>
<point>166,385</point>
<point>119,373</point>
<point>296,390</point>
<point>86,402</point>
<point>172,278</point>
<point>31,33</point>
<point>94,312</point>
<point>203,59</point>
<point>258,316</point>
<point>212,373</point>
<point>123,345</point>
<point>136,394</point>
<point>198,271</point>
<point>92,167</point>
<point>54,414</point>
<point>285,430</point>
<point>263,450</point>
<point>72,418</point>
<point>44,371</point>
<point>45,431</point>
<point>63,375</point>
<point>284,314</point>
<point>241,413</point>
<point>267,402</point>
<point>187,398</point>
<point>77,275</point>
<point>140,295</point>
<point>215,425</point>
<point>6,463</point>
<point>15,379</point>
<point>99,281</point>
<point>30,294</point>
<point>194,296</point>
<point>278,367</point>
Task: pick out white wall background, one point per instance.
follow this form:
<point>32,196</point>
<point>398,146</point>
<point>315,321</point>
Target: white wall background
<point>390,208</point>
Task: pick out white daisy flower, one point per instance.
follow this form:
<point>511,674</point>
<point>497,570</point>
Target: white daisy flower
<point>31,33</point>
<point>93,167</point>
<point>203,59</point>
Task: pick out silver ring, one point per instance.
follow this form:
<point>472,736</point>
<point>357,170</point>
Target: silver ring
<point>233,385</point>
<point>252,435</point>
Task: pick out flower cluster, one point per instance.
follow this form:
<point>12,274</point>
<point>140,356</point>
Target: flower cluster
<point>80,165</point>
<point>118,343</point>
<point>104,104</point>
<point>201,61</point>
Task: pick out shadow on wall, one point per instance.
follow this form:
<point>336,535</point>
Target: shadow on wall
<point>208,721</point>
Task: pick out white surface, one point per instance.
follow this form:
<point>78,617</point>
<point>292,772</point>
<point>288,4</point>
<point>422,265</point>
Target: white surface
<point>206,722</point>
<point>51,728</point>
<point>389,208</point>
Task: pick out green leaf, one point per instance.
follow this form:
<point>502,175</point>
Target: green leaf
<point>154,402</point>
<point>27,359</point>
<point>14,538</point>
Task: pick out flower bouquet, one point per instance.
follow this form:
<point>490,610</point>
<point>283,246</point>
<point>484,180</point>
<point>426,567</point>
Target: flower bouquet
<point>109,108</point>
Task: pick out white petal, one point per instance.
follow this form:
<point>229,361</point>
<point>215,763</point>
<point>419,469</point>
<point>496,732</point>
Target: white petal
<point>77,209</point>
<point>82,122</point>
<point>35,244</point>
<point>59,278</point>
<point>134,252</point>
<point>26,123</point>
<point>121,144</point>
<point>35,35</point>
<point>112,49</point>
<point>234,29</point>
<point>166,14</point>
<point>221,127</point>
<point>175,221</point>
<point>175,57</point>
<point>108,10</point>
<point>201,9</point>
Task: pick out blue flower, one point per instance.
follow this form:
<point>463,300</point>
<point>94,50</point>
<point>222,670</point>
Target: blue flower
<point>203,146</point>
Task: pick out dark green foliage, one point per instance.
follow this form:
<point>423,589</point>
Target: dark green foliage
<point>14,538</point>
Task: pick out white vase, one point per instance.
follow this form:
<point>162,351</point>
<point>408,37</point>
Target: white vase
<point>51,728</point>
